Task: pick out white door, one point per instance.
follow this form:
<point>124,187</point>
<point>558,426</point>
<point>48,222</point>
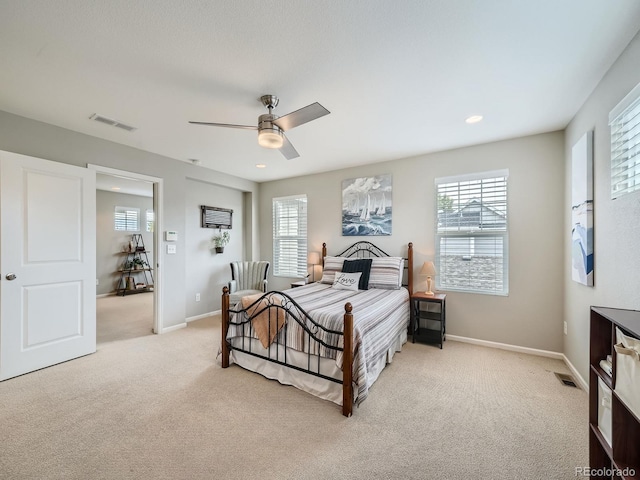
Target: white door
<point>47,263</point>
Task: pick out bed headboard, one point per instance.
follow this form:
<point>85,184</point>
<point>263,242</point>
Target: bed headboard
<point>364,249</point>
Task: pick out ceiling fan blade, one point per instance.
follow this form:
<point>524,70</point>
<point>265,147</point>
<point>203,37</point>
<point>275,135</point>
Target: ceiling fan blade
<point>287,149</point>
<point>302,116</point>
<point>245,127</point>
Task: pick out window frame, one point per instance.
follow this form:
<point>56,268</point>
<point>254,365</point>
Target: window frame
<point>283,266</point>
<point>488,232</point>
<point>625,154</point>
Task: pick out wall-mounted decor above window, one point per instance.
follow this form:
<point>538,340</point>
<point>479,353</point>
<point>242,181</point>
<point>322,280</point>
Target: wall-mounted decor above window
<point>214,217</point>
<point>366,206</point>
<point>582,210</point>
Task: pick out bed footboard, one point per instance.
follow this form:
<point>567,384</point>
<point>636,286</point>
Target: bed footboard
<point>294,313</point>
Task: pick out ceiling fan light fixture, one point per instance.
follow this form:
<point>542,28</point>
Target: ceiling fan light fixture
<point>270,138</point>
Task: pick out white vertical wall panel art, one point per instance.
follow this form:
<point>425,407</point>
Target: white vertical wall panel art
<point>582,210</point>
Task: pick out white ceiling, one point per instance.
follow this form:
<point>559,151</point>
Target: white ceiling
<point>399,76</point>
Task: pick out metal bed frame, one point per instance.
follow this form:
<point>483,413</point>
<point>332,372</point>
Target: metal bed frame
<point>274,301</point>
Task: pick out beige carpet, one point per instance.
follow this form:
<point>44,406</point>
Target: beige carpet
<point>121,318</point>
<point>160,407</point>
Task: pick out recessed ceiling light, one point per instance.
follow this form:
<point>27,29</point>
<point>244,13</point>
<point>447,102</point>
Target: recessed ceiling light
<point>261,165</point>
<point>474,119</point>
<point>115,188</point>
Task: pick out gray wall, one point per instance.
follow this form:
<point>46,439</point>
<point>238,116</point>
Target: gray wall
<point>531,316</point>
<point>208,272</point>
<point>616,222</point>
<point>37,139</point>
<point>109,242</point>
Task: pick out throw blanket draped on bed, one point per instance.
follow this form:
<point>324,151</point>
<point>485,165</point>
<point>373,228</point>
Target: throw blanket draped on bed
<point>268,320</point>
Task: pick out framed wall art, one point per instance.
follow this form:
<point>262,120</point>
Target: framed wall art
<point>582,210</point>
<point>367,206</point>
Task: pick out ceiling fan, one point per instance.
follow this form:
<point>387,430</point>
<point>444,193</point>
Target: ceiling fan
<point>271,128</point>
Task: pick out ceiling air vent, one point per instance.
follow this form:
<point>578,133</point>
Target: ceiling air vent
<point>112,122</point>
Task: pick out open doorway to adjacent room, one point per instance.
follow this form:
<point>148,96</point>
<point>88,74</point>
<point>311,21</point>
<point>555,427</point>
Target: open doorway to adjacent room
<point>127,275</point>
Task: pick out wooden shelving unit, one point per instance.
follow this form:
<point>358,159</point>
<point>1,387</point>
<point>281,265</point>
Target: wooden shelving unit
<point>137,255</point>
<point>621,459</point>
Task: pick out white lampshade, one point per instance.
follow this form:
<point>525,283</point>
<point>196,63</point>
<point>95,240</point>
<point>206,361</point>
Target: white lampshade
<point>270,138</point>
<point>429,269</point>
<point>313,258</point>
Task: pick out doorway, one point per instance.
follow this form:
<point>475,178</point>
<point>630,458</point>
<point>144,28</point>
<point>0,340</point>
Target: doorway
<point>130,206</point>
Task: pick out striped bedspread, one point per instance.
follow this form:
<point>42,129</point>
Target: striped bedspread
<point>379,318</point>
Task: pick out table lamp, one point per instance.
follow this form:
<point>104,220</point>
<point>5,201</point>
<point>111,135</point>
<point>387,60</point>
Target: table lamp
<point>428,269</point>
<point>313,259</point>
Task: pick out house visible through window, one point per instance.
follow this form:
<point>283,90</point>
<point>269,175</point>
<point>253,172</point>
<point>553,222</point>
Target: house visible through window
<point>624,121</point>
<point>127,219</point>
<point>471,233</point>
<point>290,236</point>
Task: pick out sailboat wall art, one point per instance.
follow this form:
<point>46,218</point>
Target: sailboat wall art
<point>367,206</point>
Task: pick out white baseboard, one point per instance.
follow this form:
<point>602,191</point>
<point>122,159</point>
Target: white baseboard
<point>532,351</point>
<point>173,327</point>
<point>506,346</point>
<point>204,315</point>
<point>583,384</point>
<point>102,295</point>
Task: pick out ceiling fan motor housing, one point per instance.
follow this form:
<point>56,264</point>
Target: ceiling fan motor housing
<point>269,134</point>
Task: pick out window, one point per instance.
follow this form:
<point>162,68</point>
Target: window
<point>290,236</point>
<point>126,219</point>
<point>471,233</point>
<point>150,217</point>
<point>624,121</point>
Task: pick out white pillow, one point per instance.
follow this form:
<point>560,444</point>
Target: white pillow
<point>347,281</point>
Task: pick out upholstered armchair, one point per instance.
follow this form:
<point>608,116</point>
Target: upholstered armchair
<point>247,278</point>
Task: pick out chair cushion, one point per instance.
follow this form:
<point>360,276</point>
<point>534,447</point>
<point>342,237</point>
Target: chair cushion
<point>236,296</point>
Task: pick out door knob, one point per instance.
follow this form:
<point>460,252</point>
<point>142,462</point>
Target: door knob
<point>11,276</point>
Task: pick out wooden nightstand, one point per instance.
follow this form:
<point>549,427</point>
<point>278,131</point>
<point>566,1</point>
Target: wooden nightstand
<point>427,325</point>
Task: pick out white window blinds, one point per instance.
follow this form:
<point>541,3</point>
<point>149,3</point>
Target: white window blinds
<point>471,233</point>
<point>150,220</point>
<point>126,219</point>
<point>624,121</point>
<point>290,236</point>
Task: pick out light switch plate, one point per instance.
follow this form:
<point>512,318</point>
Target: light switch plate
<point>171,249</point>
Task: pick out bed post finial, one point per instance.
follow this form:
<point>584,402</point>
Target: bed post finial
<point>225,327</point>
<point>324,252</point>
<point>347,362</point>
